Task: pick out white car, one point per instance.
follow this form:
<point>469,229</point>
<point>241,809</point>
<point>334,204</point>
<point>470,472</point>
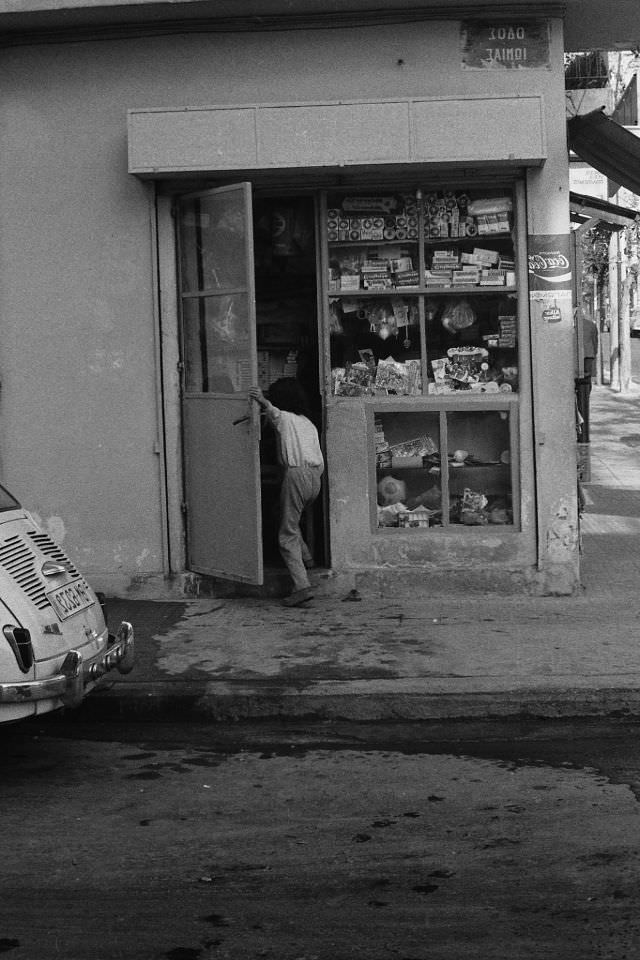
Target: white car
<point>55,645</point>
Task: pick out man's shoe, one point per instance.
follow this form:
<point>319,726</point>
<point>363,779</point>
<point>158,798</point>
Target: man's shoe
<point>298,598</point>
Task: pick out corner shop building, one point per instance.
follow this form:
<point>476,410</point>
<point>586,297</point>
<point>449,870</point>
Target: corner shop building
<point>168,208</point>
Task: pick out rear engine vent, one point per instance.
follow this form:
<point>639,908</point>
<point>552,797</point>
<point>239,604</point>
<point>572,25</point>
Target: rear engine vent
<point>20,563</point>
<point>51,549</point>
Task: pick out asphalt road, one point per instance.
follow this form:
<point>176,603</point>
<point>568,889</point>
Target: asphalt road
<point>328,842</point>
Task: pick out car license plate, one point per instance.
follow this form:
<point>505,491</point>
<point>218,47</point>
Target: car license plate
<point>70,599</point>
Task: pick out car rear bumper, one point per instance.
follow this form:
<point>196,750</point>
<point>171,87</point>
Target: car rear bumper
<point>77,676</point>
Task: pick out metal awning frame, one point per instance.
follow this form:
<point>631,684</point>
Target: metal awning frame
<point>587,211</point>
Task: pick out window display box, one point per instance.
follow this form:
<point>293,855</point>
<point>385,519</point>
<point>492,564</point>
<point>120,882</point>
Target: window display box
<point>422,292</point>
<point>435,468</point>
<point>423,330</point>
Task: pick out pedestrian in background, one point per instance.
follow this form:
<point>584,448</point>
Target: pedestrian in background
<point>300,458</point>
<point>589,348</point>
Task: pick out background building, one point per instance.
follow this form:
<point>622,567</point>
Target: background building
<point>128,286</point>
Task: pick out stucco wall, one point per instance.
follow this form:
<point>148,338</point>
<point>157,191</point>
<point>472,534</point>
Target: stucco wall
<point>78,406</point>
<point>78,410</point>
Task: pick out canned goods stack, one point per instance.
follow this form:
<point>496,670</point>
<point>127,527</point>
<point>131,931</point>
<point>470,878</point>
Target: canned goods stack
<point>390,227</point>
<point>446,215</point>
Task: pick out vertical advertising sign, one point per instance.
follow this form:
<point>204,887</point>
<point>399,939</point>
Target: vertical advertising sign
<point>550,286</point>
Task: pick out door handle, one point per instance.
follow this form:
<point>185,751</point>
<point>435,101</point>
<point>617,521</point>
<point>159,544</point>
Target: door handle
<point>241,420</point>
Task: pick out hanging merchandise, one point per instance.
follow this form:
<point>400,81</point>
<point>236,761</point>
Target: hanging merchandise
<point>335,321</point>
<point>382,321</point>
<point>384,331</point>
<point>458,315</point>
<point>404,318</point>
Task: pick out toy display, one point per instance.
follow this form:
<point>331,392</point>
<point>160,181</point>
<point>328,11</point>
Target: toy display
<point>409,473</point>
<point>469,368</point>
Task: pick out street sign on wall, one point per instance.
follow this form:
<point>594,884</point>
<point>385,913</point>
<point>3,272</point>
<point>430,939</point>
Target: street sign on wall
<point>505,44</point>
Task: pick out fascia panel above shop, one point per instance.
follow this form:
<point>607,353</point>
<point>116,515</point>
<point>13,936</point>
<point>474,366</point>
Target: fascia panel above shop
<point>496,130</point>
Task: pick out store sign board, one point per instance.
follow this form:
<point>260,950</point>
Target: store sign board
<point>587,181</point>
<point>550,278</point>
<point>505,44</point>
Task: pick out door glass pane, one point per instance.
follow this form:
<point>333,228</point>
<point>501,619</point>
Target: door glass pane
<point>479,467</point>
<point>213,242</point>
<point>216,344</point>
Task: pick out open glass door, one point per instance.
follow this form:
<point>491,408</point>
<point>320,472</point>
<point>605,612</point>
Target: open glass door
<point>220,433</point>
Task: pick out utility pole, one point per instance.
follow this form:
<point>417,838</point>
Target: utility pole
<point>625,327</point>
<point>615,306</point>
<point>597,313</point>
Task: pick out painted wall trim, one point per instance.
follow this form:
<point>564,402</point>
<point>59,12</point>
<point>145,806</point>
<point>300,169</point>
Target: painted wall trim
<point>504,130</point>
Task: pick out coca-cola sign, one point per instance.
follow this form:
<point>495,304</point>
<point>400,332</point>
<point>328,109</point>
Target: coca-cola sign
<point>549,262</point>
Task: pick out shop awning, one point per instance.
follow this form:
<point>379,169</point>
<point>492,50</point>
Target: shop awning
<point>607,146</point>
<point>584,208</point>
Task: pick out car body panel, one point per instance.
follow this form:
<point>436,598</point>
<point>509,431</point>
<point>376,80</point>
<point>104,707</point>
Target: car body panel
<point>68,648</point>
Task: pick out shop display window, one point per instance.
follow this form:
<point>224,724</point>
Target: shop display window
<point>422,293</point>
<point>443,467</point>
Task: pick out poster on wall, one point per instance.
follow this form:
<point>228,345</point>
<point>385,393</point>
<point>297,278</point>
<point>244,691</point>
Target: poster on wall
<point>550,284</point>
<point>505,44</point>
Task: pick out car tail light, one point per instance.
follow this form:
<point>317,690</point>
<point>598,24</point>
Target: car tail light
<point>20,642</point>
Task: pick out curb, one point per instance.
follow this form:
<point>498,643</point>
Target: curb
<point>231,702</point>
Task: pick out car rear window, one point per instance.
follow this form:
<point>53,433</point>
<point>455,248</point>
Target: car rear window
<point>7,502</point>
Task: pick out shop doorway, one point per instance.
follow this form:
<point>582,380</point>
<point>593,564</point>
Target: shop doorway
<point>286,290</point>
<point>248,291</point>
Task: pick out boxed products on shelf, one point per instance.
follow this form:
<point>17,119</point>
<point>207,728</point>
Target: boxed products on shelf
<point>453,268</point>
<point>446,214</point>
<point>366,269</point>
<point>508,332</point>
<point>384,217</point>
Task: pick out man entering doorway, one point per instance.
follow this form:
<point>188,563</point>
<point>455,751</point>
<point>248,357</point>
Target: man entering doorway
<point>302,463</point>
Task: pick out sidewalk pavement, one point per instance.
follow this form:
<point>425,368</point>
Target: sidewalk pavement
<point>394,660</point>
